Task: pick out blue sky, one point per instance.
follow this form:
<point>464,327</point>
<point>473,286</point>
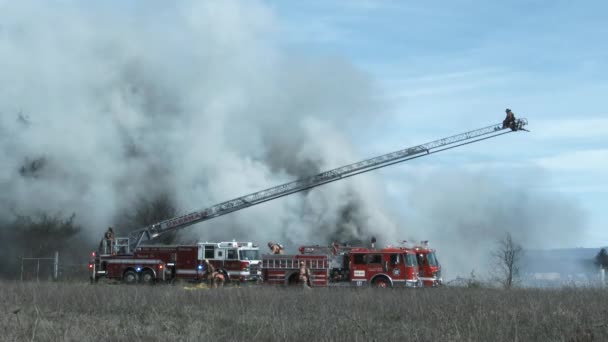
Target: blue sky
<point>447,67</point>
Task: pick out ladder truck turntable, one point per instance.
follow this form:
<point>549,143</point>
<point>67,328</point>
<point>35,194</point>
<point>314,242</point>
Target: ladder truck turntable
<point>132,261</point>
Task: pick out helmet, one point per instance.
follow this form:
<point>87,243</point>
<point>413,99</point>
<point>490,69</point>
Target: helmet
<point>302,263</point>
<point>507,110</point>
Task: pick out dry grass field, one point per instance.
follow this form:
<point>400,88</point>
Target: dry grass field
<point>104,312</point>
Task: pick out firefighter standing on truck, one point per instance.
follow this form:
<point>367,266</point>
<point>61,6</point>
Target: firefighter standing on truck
<point>108,241</point>
<point>305,275</point>
<point>275,247</point>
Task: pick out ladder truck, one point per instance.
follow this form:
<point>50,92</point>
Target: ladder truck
<point>131,261</point>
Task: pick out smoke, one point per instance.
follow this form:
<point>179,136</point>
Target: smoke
<point>198,101</point>
<point>464,214</point>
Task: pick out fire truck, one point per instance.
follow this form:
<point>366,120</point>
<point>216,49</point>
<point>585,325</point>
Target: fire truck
<point>237,261</point>
<point>351,266</point>
<point>131,260</point>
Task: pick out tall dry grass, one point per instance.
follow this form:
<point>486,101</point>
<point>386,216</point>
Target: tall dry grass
<point>103,312</point>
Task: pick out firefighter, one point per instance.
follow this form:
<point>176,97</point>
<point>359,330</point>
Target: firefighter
<point>305,275</point>
<point>108,241</point>
<point>209,272</point>
<point>214,277</point>
<point>335,247</point>
<point>275,247</point>
<point>509,121</point>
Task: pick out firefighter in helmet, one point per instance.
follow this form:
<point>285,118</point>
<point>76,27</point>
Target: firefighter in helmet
<point>509,121</point>
<point>108,241</point>
<point>214,277</point>
<point>305,275</point>
<point>275,247</point>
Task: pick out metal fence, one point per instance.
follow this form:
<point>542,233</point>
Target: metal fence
<point>50,268</point>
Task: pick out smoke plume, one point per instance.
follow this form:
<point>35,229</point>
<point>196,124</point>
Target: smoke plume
<point>197,102</point>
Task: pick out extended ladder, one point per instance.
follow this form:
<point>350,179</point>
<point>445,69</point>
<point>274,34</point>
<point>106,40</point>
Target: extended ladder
<point>152,231</point>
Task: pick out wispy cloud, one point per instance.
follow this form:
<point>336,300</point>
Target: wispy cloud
<point>451,83</point>
<point>575,128</point>
<point>582,160</point>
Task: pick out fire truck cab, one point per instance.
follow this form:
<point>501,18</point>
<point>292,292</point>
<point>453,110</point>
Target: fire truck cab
<point>430,269</point>
<point>387,267</point>
<point>238,261</point>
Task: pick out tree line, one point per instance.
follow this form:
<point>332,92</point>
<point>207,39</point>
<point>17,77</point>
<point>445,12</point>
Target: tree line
<point>41,234</point>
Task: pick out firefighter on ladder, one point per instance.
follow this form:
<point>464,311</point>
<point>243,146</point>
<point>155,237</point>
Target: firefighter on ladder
<point>509,121</point>
<point>305,275</point>
<point>275,247</point>
<point>214,277</point>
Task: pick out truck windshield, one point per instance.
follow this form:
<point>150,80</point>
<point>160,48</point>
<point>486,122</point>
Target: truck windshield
<point>432,259</point>
<point>249,254</point>
<point>410,259</point>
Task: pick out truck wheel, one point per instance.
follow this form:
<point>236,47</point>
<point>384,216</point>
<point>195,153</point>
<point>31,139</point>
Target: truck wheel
<point>130,277</point>
<point>381,282</point>
<point>148,277</point>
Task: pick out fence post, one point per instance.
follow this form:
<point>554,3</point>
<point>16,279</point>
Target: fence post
<point>38,270</point>
<point>56,266</point>
<point>602,277</point>
<point>21,268</point>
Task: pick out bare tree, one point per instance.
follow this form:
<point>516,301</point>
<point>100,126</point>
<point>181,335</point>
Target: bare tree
<point>506,259</point>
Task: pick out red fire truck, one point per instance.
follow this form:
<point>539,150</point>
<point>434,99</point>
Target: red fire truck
<point>127,259</point>
<point>237,261</point>
<point>354,266</point>
<point>430,269</point>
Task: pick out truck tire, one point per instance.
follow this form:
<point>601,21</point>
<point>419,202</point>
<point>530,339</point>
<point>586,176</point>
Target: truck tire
<point>147,277</point>
<point>381,282</point>
<point>130,277</point>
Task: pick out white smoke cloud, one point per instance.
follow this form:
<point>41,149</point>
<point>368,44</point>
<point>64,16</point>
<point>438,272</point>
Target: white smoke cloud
<point>197,99</point>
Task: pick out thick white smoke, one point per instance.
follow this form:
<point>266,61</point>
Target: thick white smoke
<point>197,100</point>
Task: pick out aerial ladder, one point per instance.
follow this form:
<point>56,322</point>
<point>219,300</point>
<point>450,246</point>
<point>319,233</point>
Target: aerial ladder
<point>150,232</point>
